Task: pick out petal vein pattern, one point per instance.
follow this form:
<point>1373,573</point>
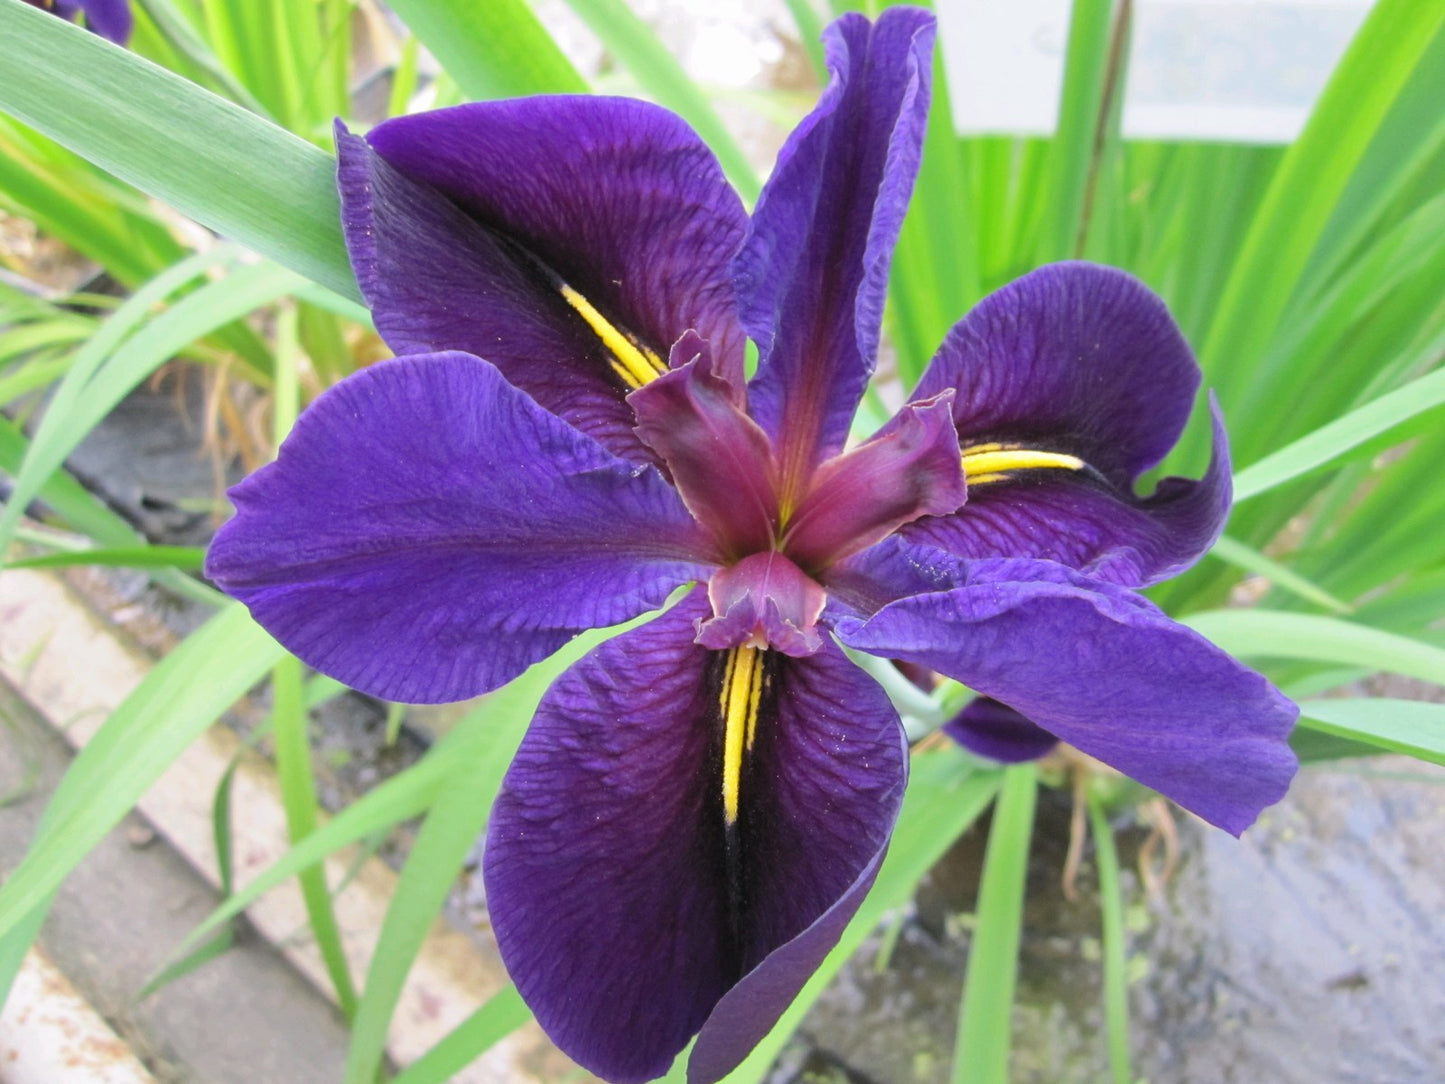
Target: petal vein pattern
<point>428,532</point>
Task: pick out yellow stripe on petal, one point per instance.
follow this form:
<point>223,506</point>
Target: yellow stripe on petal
<point>633,362</point>
<point>984,463</point>
<point>740,696</point>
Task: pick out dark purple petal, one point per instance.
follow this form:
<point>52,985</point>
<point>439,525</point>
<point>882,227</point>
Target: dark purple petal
<point>1082,522</point>
<point>719,459</point>
<point>624,904</point>
<point>812,275</point>
<point>1106,671</point>
<point>428,532</point>
<point>1085,361</point>
<point>861,585</point>
<point>909,469</point>
<point>437,280</point>
<point>751,1008</point>
<point>1074,358</point>
<point>995,730</point>
<point>110,19</point>
<point>618,197</point>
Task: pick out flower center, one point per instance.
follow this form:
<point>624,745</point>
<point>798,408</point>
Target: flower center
<point>763,601</point>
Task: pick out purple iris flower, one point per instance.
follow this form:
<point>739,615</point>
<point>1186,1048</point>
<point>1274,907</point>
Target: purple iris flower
<point>109,18</point>
<point>701,803</point>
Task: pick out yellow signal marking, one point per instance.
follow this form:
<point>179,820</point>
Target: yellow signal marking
<point>739,698</point>
<point>984,463</point>
<point>635,363</point>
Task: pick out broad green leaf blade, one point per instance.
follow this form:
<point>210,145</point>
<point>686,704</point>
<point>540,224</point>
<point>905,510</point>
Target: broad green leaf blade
<point>985,1029</point>
<point>207,157</point>
<point>1277,634</point>
<point>503,1013</point>
<point>181,557</point>
<point>945,796</point>
<point>1416,727</point>
<point>1334,441</point>
<point>186,692</point>
<point>1081,104</point>
<point>298,800</point>
<point>1315,172</point>
<point>496,49</point>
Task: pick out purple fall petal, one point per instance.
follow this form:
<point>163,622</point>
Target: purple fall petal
<point>1075,357</point>
<point>436,280</point>
<point>428,532</point>
<point>909,469</point>
<point>812,274</point>
<point>751,1008</point>
<point>1104,670</point>
<point>1058,515</point>
<point>996,731</point>
<point>1081,360</point>
<point>619,197</point>
<point>624,905</point>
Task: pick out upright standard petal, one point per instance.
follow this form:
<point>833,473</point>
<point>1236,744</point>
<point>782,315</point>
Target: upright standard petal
<point>427,532</point>
<point>1106,671</point>
<point>813,272</point>
<point>1071,382</point>
<point>617,198</point>
<point>631,884</point>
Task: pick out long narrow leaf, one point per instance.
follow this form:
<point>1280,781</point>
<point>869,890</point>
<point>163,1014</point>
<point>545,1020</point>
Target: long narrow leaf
<point>496,49</point>
<point>298,800</point>
<point>207,157</point>
<point>186,692</point>
<point>75,414</point>
<point>1111,907</point>
<point>1310,180</point>
<point>1336,440</point>
<point>1261,633</point>
<point>985,1031</point>
<point>503,1013</point>
<point>1416,727</point>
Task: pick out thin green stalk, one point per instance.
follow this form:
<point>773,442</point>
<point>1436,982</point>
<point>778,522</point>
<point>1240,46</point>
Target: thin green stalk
<point>985,1016</point>
<point>298,798</point>
<point>1081,103</point>
<point>1116,980</point>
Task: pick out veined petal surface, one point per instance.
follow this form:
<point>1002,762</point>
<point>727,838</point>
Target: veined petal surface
<point>1083,522</point>
<point>1106,671</point>
<point>428,531</point>
<point>1084,361</point>
<point>617,197</point>
<point>625,905</point>
<point>812,275</point>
